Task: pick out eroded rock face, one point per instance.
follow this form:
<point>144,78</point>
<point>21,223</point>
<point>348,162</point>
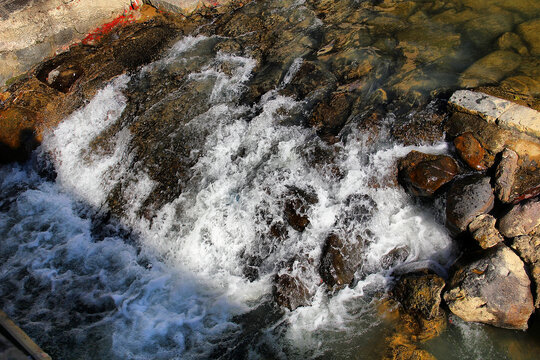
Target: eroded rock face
<point>483,230</point>
<point>467,198</point>
<point>423,174</point>
<point>494,289</point>
<point>528,248</point>
<point>521,220</point>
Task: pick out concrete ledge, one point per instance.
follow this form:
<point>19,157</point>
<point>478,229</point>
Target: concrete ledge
<point>502,112</point>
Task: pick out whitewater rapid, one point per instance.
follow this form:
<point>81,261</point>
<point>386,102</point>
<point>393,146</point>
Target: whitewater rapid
<point>173,286</point>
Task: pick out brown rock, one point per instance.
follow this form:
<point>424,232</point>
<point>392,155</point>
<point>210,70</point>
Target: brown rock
<point>420,294</point>
<point>471,151</point>
<point>494,289</point>
<point>467,198</point>
<point>290,292</point>
<point>296,208</point>
<point>491,68</point>
<point>483,230</point>
<point>505,174</point>
<point>423,174</point>
<point>528,248</point>
<point>340,260</point>
<point>329,118</point>
<point>522,219</point>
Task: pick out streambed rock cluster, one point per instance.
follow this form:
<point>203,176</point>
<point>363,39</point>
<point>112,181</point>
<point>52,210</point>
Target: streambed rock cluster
<point>491,206</point>
<point>373,60</point>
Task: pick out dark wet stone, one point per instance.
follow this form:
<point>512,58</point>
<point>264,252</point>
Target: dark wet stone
<point>395,257</point>
<point>423,174</point>
<point>328,118</point>
<point>290,292</point>
<point>341,258</point>
<point>467,198</point>
<point>471,151</point>
<point>296,208</point>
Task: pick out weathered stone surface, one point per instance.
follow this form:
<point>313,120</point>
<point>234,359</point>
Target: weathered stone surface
<point>467,198</point>
<point>61,23</point>
<point>505,174</point>
<point>530,32</point>
<point>494,290</point>
<point>528,248</point>
<point>423,173</point>
<point>483,230</point>
<point>290,292</point>
<point>341,258</point>
<point>187,7</point>
<point>471,151</point>
<point>420,294</point>
<point>489,69</point>
<point>522,219</point>
<point>495,110</point>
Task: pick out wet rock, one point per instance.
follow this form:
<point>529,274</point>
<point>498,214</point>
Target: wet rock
<point>483,230</point>
<point>290,292</point>
<point>420,294</point>
<point>297,206</point>
<point>423,174</point>
<point>340,260</point>
<point>490,69</point>
<point>395,257</point>
<point>423,127</point>
<point>142,46</point>
<point>467,198</point>
<point>512,41</point>
<point>524,85</point>
<point>310,77</point>
<point>528,248</point>
<point>328,118</point>
<point>494,289</point>
<point>530,32</point>
<point>505,175</point>
<point>522,219</point>
<point>61,77</point>
<point>471,151</point>
<point>399,350</point>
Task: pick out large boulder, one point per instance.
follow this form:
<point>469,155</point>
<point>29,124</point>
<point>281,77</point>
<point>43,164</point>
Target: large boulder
<point>528,248</point>
<point>522,219</point>
<point>423,174</point>
<point>494,289</point>
<point>290,292</point>
<point>467,198</point>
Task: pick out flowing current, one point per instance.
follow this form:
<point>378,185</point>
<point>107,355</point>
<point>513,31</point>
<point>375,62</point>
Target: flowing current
<point>173,285</point>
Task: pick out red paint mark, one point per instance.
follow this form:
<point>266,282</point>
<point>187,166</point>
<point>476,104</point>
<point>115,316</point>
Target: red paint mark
<point>124,19</point>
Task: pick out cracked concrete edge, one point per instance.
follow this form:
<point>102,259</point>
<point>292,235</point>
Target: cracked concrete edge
<point>504,113</point>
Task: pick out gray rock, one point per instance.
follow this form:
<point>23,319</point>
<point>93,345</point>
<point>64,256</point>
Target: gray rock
<point>467,198</point>
<point>483,230</point>
<point>528,248</point>
<point>505,174</point>
<point>521,220</point>
<point>493,290</point>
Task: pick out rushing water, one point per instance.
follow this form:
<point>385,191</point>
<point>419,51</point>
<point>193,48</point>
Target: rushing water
<point>173,284</point>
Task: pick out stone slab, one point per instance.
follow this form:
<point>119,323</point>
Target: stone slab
<point>502,112</point>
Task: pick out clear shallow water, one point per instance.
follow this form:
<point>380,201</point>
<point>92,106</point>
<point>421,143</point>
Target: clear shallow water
<point>173,285</point>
